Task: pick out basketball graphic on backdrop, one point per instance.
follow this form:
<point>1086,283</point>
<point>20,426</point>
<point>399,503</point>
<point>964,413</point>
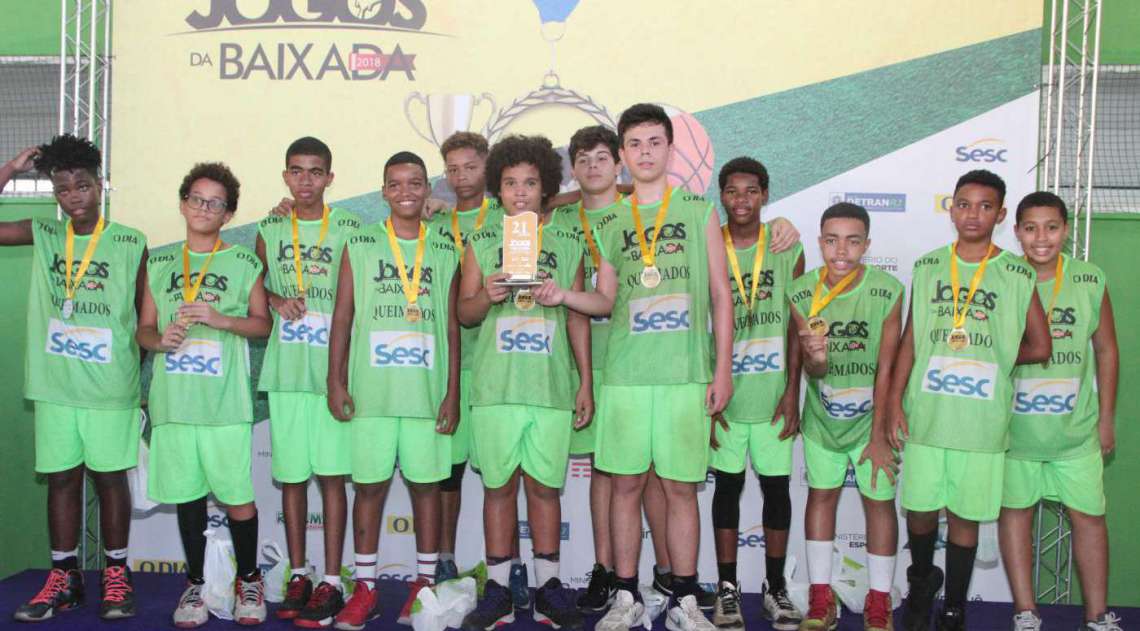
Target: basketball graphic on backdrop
<point>691,165</point>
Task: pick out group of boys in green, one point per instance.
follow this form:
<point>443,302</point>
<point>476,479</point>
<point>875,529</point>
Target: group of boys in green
<point>684,332</point>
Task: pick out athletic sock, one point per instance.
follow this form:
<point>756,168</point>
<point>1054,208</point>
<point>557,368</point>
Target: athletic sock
<point>365,571</point>
<point>333,580</point>
<point>299,571</point>
<point>546,567</point>
<point>499,570</point>
<point>425,566</point>
<point>244,535</point>
<point>922,550</point>
<point>684,586</point>
<point>192,528</point>
<point>727,572</point>
<point>819,561</point>
<point>65,560</point>
<point>116,557</point>
<point>447,556</point>
<point>959,569</point>
<point>880,572</point>
<point>774,566</point>
<point>628,584</point>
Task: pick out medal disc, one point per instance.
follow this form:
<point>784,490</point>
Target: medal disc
<point>524,300</point>
<point>650,277</point>
<point>412,312</point>
<point>594,280</point>
<point>817,325</point>
<point>958,339</point>
<point>67,309</point>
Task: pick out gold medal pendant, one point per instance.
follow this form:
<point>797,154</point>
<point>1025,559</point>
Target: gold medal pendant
<point>818,326</point>
<point>650,277</point>
<point>594,280</point>
<point>958,339</point>
<point>412,312</point>
<point>524,300</point>
<point>67,309</point>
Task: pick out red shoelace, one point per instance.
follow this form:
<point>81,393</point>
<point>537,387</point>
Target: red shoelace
<point>116,586</point>
<point>56,583</point>
<point>295,589</point>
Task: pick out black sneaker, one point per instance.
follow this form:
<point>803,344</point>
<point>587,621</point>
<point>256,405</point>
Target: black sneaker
<point>494,609</point>
<point>62,591</point>
<point>599,592</point>
<point>118,593</point>
<point>297,594</point>
<point>920,598</point>
<point>445,570</point>
<point>952,618</point>
<point>322,608</point>
<point>663,582</point>
<point>706,601</point>
<point>554,605</point>
<point>519,585</point>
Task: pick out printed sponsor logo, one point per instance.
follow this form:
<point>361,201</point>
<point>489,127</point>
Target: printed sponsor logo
<point>659,314</point>
<point>524,334</point>
<point>758,356</point>
<point>845,404</point>
<point>943,202</point>
<point>524,530</point>
<point>885,263</point>
<point>874,202</point>
<point>394,572</point>
<point>196,357</point>
<point>313,521</point>
<point>1045,396</point>
<point>402,349</point>
<point>580,468</point>
<point>160,566</point>
<point>983,150</point>
<point>84,343</point>
<point>854,540</point>
<point>400,525</point>
<point>311,329</point>
<point>967,378</point>
<point>751,538</point>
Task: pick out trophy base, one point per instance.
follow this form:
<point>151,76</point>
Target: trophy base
<point>519,282</point>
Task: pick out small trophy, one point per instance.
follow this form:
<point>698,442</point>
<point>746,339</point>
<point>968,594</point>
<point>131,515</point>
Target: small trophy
<point>522,241</point>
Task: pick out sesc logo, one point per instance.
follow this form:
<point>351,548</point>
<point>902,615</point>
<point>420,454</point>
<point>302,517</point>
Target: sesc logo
<point>524,334</point>
<point>402,349</point>
<point>751,538</point>
<point>1045,396</point>
<point>874,202</point>
<point>984,150</point>
<point>394,572</point>
<point>85,343</point>
<point>845,404</point>
<point>957,377</point>
<point>758,356</point>
<point>197,357</point>
<point>311,329</point>
<point>659,314</point>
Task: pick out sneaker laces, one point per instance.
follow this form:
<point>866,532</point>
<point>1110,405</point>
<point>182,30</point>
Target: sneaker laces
<point>691,609</point>
<point>360,602</point>
<point>1025,620</point>
<point>782,600</point>
<point>56,583</point>
<point>729,601</point>
<point>878,608</point>
<point>819,601</point>
<point>192,597</point>
<point>250,592</point>
<point>321,595</point>
<point>296,588</point>
<point>1110,622</point>
<point>116,584</point>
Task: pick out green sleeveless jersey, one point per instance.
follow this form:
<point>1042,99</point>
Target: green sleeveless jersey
<point>1055,407</point>
<point>961,399</point>
<point>596,219</point>
<point>396,367</point>
<point>660,336</point>
<point>759,356</point>
<point>89,360</point>
<point>206,381</point>
<point>297,354</point>
<point>442,223</point>
<point>838,407</point>
<point>523,357</point>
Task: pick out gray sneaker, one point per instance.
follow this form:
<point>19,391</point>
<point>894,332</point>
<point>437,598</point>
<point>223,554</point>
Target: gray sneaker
<point>1027,620</point>
<point>624,614</point>
<point>1108,621</point>
<point>191,611</point>
<point>249,607</point>
<point>686,616</point>
<point>779,609</point>
<point>726,611</point>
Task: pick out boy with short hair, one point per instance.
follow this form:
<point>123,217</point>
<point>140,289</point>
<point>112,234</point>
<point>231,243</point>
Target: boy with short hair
<point>199,308</point>
<point>848,317</point>
<point>82,370</point>
<point>974,315</point>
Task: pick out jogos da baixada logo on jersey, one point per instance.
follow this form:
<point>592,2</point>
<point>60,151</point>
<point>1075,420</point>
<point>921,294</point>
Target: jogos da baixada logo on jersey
<point>290,58</point>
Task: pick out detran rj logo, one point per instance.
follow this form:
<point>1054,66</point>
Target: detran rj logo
<point>402,349</point>
<point>312,329</point>
<point>845,404</point>
<point>984,150</point>
<point>758,356</point>
<point>197,357</point>
<point>85,343</point>
<point>1045,396</point>
<point>958,377</point>
<point>524,334</point>
<point>659,314</point>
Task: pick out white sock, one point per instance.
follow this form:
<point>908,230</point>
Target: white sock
<point>880,572</point>
<point>300,571</point>
<point>59,555</point>
<point>516,561</point>
<point>425,565</point>
<point>119,554</point>
<point>544,570</point>
<point>819,561</point>
<point>500,573</point>
<point>366,568</point>
<point>333,580</point>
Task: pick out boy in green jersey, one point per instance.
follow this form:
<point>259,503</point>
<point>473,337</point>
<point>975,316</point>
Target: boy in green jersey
<point>763,416</point>
<point>529,395</point>
<point>200,305</point>
<point>394,375</point>
<point>974,314</point>
<point>1063,417</point>
<point>301,254</point>
<point>848,317</point>
<point>82,368</point>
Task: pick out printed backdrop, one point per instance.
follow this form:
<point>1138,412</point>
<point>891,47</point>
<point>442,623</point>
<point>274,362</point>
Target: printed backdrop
<point>882,103</point>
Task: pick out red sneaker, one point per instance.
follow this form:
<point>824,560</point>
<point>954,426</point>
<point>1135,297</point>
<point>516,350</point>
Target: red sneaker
<point>413,591</point>
<point>360,608</point>
<point>822,613</point>
<point>877,612</point>
<point>297,594</point>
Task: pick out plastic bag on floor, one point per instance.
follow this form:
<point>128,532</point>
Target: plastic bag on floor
<point>655,603</point>
<point>219,573</point>
<point>141,504</point>
<point>444,605</point>
<point>278,574</point>
<point>797,592</point>
<point>851,582</point>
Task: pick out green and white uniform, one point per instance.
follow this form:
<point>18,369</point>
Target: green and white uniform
<point>838,408</point>
<point>1054,447</point>
<point>397,370</point>
<point>958,403</point>
<point>201,399</point>
<point>658,363</point>
<point>305,437</point>
<point>83,372</point>
<point>522,403</point>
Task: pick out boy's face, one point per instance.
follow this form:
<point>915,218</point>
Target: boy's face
<point>976,210</point>
<point>405,190</point>
<point>842,243</point>
<point>645,151</point>
<point>307,177</point>
<point>596,169</point>
<point>466,172</point>
<point>77,192</point>
<point>1041,232</point>
<point>742,198</point>
<point>520,188</point>
<point>200,218</point>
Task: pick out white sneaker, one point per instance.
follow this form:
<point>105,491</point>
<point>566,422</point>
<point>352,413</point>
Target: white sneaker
<point>779,609</point>
<point>624,614</point>
<point>249,606</point>
<point>726,611</point>
<point>1107,622</point>
<point>1026,621</point>
<point>686,616</point>
<point>191,611</point>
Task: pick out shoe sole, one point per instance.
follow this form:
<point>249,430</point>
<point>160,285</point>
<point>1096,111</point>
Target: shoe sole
<point>542,618</point>
<point>793,626</point>
<point>48,616</point>
<point>117,615</point>
<point>730,626</point>
<point>323,623</point>
<point>250,622</point>
<point>287,614</point>
<point>347,626</point>
<point>191,625</point>
<point>505,620</point>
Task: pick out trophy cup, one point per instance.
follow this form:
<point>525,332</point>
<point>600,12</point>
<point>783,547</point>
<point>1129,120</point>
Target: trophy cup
<point>446,113</point>
<point>522,242</point>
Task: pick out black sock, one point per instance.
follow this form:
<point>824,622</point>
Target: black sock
<point>628,584</point>
<point>959,569</point>
<point>244,535</point>
<point>66,564</point>
<point>113,562</point>
<point>684,586</point>
<point>727,572</point>
<point>774,566</point>
<point>922,550</point>
<point>192,527</point>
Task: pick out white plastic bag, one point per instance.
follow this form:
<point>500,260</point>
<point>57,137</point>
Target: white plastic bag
<point>851,582</point>
<point>444,605</point>
<point>797,592</point>
<point>655,603</point>
<point>141,504</point>
<point>277,576</point>
<point>220,572</point>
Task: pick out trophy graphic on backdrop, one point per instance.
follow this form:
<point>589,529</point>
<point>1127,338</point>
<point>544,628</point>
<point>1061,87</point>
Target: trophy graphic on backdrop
<point>447,114</point>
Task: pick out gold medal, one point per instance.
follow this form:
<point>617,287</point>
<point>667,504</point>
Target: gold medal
<point>818,326</point>
<point>67,309</point>
<point>734,263</point>
<point>524,300</point>
<point>819,300</point>
<point>594,280</point>
<point>958,339</point>
<point>650,277</point>
<point>412,312</point>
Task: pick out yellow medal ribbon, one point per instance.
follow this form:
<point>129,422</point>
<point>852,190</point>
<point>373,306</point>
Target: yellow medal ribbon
<point>69,250</point>
<point>297,246</point>
<point>956,286</point>
<point>734,263</point>
<point>649,250</point>
<point>819,300</point>
<point>595,254</point>
<point>458,234</point>
<point>1058,280</point>
<point>189,293</point>
<point>411,289</point>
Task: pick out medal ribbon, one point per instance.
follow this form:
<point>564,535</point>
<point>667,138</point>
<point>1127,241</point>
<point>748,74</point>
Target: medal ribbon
<point>757,264</point>
<point>189,293</point>
<point>595,255</point>
<point>458,234</point>
<point>956,286</point>
<point>297,246</point>
<point>411,289</point>
<point>649,250</point>
<point>1058,280</point>
<point>88,252</point>
<point>819,300</point>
